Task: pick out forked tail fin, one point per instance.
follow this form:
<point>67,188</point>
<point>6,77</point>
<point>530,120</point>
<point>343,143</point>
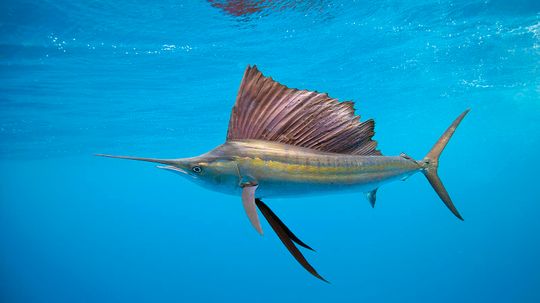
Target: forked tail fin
<point>431,163</point>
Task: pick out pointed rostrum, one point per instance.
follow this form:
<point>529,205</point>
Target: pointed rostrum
<point>268,110</point>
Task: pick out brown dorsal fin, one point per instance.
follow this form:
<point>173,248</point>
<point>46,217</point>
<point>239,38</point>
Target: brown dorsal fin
<point>268,110</point>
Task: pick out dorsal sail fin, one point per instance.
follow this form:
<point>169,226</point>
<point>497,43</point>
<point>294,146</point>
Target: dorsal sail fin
<point>268,110</point>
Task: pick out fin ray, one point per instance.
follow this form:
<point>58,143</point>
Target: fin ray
<point>268,110</point>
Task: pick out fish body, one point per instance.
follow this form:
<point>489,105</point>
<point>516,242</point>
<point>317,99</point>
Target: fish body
<point>283,170</point>
<point>284,142</point>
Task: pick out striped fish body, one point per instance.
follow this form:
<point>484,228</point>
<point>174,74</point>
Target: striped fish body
<point>286,170</point>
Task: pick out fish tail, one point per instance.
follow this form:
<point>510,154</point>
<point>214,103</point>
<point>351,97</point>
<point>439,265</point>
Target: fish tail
<point>431,164</point>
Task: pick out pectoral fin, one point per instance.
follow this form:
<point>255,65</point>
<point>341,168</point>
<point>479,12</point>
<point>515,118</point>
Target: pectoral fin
<point>248,200</point>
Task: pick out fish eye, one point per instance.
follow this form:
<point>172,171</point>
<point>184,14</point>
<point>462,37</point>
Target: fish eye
<point>196,169</point>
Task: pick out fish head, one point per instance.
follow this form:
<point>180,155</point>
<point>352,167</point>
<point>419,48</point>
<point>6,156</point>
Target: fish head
<point>218,173</point>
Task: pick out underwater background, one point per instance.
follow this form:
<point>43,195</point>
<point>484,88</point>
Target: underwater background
<point>159,79</point>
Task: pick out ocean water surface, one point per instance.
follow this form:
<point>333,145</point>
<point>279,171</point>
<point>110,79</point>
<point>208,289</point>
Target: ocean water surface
<point>159,79</point>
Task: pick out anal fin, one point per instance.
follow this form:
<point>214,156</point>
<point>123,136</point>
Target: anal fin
<point>372,197</point>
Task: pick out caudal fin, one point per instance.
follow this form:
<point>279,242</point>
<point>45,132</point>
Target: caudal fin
<point>431,164</point>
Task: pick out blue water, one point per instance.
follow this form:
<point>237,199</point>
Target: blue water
<point>159,79</point>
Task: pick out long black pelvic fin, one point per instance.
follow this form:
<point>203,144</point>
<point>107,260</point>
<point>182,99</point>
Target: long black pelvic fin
<point>287,237</point>
<point>287,231</point>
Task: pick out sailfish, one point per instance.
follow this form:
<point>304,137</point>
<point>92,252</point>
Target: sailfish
<point>284,142</point>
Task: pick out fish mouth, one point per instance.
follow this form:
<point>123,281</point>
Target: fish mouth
<point>172,168</point>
